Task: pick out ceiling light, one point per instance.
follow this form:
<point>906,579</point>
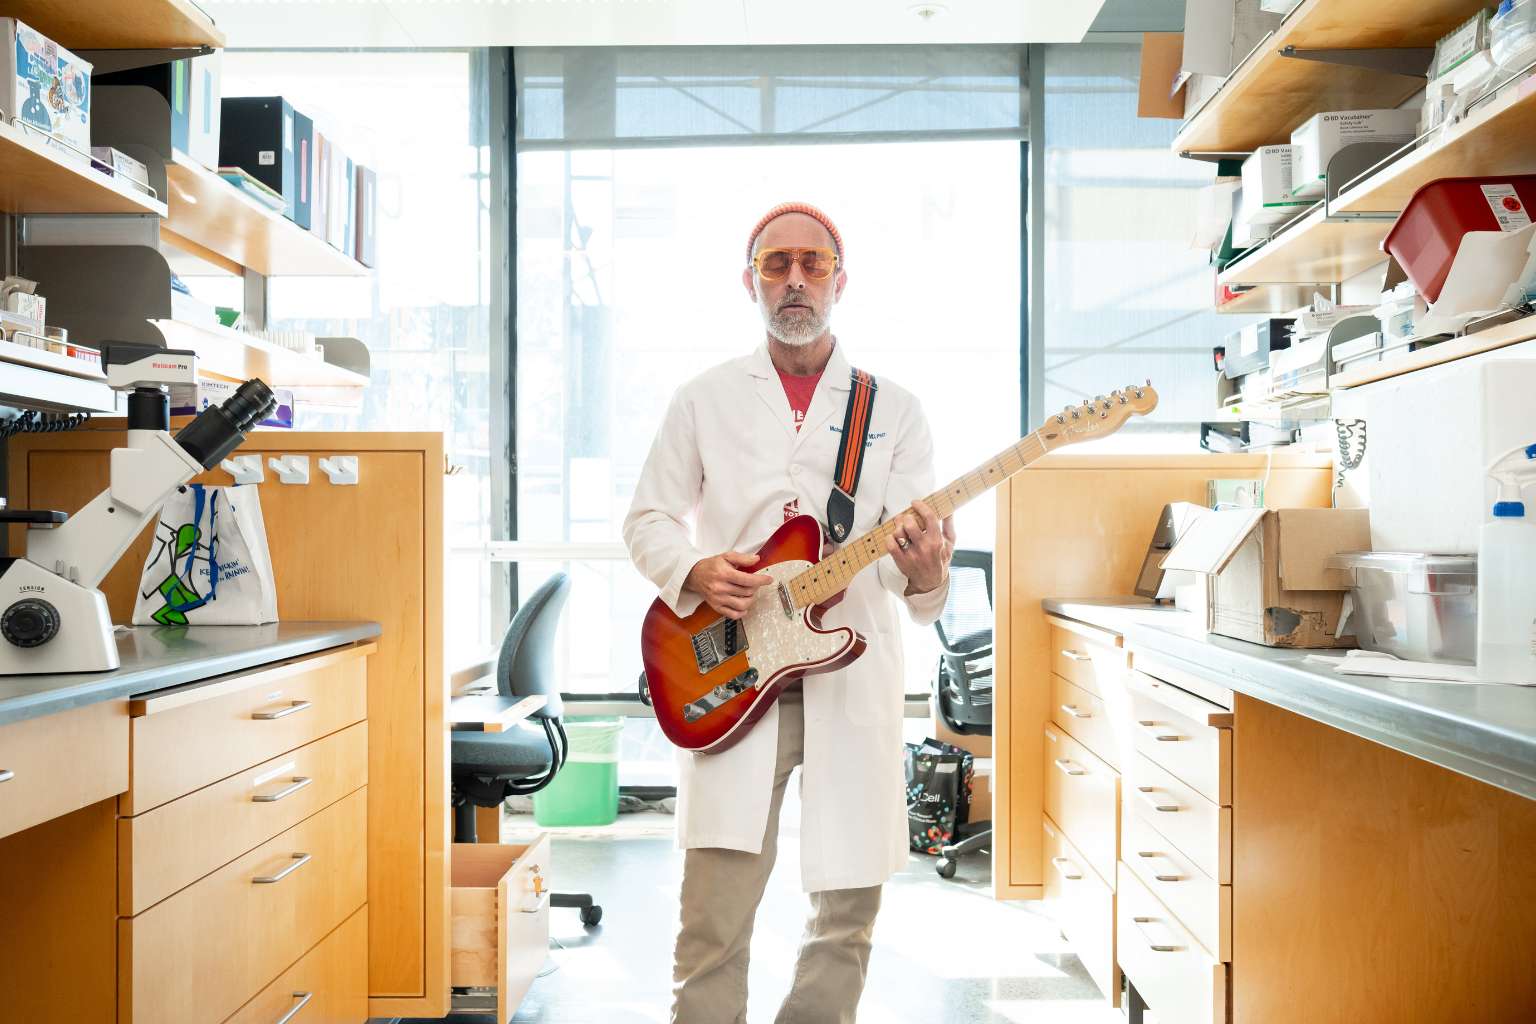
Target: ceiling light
<point>928,12</point>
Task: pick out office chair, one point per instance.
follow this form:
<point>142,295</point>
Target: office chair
<point>490,766</point>
<point>962,683</point>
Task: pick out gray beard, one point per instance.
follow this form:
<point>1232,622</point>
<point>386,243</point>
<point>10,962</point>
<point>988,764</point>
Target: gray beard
<point>793,329</point>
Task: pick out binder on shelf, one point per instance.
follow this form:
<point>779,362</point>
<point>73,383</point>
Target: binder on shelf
<point>258,136</point>
<point>320,207</point>
<point>304,168</point>
<point>367,211</point>
<point>172,81</point>
<point>349,212</point>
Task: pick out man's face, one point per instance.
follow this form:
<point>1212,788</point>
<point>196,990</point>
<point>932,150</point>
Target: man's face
<point>796,309</point>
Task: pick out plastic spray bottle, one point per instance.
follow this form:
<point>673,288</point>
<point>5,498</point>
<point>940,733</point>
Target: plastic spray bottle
<point>1506,571</point>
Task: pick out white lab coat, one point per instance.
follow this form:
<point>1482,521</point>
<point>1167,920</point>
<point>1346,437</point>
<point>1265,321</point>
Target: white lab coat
<point>728,458</point>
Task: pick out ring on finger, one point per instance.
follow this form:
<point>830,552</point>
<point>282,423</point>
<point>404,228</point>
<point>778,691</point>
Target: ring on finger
<point>902,543</point>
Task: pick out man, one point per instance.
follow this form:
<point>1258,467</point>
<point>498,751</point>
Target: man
<point>745,446</point>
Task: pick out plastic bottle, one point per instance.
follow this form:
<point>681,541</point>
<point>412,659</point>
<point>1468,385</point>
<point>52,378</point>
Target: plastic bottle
<point>1506,576</point>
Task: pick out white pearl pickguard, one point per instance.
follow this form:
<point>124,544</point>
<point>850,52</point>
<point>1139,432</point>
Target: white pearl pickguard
<point>776,641</point>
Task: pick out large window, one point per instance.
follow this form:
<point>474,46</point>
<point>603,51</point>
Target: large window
<point>420,120</point>
<point>1124,296</point>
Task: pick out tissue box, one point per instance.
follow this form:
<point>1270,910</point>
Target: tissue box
<point>1268,195</point>
<point>213,392</point>
<point>44,85</point>
<point>116,163</point>
<point>1266,571</point>
<point>1319,139</point>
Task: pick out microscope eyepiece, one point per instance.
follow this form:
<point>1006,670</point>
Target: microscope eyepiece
<point>219,429</point>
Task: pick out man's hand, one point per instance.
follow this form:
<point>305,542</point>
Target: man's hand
<point>921,547</point>
<point>725,587</point>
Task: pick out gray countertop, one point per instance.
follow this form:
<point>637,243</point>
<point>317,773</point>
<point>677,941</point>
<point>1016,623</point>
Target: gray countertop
<point>154,657</point>
<point>1483,730</point>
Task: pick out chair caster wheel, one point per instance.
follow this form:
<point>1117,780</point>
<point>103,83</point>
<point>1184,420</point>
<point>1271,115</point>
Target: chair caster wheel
<point>590,916</point>
<point>945,867</point>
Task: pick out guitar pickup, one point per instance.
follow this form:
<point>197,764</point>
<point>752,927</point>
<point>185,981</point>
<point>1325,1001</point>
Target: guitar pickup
<point>721,640</point>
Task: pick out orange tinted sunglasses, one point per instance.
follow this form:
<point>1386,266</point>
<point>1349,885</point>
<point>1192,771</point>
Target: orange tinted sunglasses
<point>816,263</point>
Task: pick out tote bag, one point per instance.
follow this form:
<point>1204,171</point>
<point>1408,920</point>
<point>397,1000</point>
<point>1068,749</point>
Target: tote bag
<point>209,564</point>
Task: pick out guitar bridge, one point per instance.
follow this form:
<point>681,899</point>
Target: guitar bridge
<point>721,640</point>
<point>720,695</point>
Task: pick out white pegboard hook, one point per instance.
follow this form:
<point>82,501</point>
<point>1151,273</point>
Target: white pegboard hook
<point>291,469</point>
<point>342,469</point>
<point>246,469</point>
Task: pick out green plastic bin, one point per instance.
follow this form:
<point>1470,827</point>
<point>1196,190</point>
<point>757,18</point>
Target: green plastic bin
<point>586,790</point>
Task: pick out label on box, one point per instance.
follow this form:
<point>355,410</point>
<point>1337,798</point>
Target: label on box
<point>1507,208</point>
<point>266,157</point>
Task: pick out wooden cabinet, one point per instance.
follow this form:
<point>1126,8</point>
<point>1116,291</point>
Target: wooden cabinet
<point>1183,734</point>
<point>369,552</point>
<point>1082,795</point>
<point>500,918</point>
<point>199,955</point>
<point>60,763</point>
<point>1179,980</point>
<point>329,985</point>
<point>1083,906</point>
<point>1200,903</point>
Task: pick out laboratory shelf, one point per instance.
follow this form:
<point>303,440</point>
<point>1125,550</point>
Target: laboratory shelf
<point>114,25</point>
<point>1494,338</point>
<point>1312,248</point>
<point>237,356</point>
<point>38,177</point>
<point>32,387</point>
<point>211,218</point>
<point>1268,94</point>
<point>1271,298</point>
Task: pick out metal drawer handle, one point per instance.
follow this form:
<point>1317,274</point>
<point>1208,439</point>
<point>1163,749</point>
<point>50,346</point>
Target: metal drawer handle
<point>298,783</point>
<point>1072,710</point>
<point>1076,655</point>
<point>1161,878</point>
<point>541,906</point>
<point>1149,797</point>
<point>1156,947</point>
<point>1162,737</point>
<point>6,775</point>
<point>1068,768</point>
<point>292,709</point>
<point>1073,875</point>
<point>299,860</point>
<point>303,1001</point>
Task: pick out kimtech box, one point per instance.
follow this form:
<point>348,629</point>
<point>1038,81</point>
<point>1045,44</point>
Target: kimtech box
<point>44,85</point>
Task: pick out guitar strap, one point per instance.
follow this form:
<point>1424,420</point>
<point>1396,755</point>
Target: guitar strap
<point>850,454</point>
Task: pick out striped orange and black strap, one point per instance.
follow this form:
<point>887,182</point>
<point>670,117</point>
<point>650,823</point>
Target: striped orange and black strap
<point>850,454</point>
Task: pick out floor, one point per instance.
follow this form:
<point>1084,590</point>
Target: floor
<point>945,951</point>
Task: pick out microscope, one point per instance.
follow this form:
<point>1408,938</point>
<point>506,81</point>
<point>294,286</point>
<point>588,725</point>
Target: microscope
<point>52,616</point>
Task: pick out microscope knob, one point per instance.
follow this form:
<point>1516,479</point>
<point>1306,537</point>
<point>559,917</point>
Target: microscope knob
<point>30,623</point>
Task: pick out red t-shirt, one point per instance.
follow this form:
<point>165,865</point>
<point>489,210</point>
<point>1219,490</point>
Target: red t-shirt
<point>799,391</point>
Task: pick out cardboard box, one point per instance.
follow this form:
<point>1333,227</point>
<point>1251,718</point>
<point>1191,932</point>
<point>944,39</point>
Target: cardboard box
<point>1157,95</point>
<point>257,137</point>
<point>1268,195</point>
<point>367,213</point>
<point>44,85</point>
<point>1220,34</point>
<point>214,392</point>
<point>1266,571</point>
<point>1321,137</point>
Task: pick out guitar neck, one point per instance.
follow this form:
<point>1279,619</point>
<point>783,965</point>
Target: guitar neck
<point>832,575</point>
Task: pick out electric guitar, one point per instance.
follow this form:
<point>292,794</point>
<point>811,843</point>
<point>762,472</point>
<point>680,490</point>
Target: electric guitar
<point>711,678</point>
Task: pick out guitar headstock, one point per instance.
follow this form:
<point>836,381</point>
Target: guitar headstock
<point>1097,418</point>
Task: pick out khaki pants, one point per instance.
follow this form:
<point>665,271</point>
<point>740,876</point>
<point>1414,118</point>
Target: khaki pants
<point>721,891</point>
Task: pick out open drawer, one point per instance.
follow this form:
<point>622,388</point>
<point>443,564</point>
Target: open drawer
<point>500,923</point>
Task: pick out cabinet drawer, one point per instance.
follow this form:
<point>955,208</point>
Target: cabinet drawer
<point>201,954</point>
<point>1195,898</point>
<point>185,738</point>
<point>328,986</point>
<point>1179,980</point>
<point>177,843</point>
<point>1190,737</point>
<point>500,922</point>
<point>1085,656</point>
<point>1088,718</point>
<point>1082,796</point>
<point>1083,907</point>
<point>1200,829</point>
<point>59,763</point>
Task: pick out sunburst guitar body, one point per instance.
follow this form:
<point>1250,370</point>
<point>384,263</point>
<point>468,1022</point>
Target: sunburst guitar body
<point>712,677</point>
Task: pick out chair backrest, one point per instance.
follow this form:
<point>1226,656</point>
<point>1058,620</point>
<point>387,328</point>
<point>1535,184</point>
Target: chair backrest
<point>526,665</point>
<point>962,685</point>
<point>966,622</point>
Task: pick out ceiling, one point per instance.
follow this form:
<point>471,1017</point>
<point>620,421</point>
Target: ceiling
<point>454,23</point>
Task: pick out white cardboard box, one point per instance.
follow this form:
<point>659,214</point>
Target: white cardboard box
<point>1320,138</point>
<point>44,85</point>
<point>1269,187</point>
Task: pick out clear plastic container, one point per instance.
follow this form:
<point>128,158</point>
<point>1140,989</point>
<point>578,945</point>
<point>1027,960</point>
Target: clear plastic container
<point>1418,607</point>
<point>1512,35</point>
